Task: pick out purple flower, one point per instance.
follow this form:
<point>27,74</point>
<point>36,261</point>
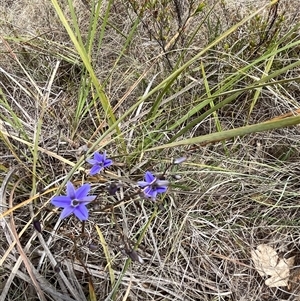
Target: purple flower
<point>74,202</point>
<point>152,186</point>
<point>99,162</point>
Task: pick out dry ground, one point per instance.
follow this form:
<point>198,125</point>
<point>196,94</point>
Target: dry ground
<point>231,197</point>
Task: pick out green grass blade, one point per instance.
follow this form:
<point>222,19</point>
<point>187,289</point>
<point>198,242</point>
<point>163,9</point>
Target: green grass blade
<point>75,22</point>
<point>107,256</point>
<point>104,23</point>
<point>84,56</point>
<point>211,103</point>
<point>224,135</point>
<point>258,91</point>
<point>171,78</point>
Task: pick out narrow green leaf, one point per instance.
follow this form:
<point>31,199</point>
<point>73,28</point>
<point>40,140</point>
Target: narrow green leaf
<point>220,136</point>
<point>107,256</point>
<point>86,61</point>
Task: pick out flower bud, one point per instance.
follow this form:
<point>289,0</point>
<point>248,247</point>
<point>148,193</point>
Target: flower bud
<point>112,189</point>
<point>93,247</point>
<point>179,160</point>
<point>37,225</point>
<point>177,177</point>
<point>57,267</point>
<point>134,256</point>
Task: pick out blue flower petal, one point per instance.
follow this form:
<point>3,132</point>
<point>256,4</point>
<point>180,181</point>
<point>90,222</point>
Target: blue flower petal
<point>65,201</point>
<point>149,177</point>
<point>95,169</point>
<point>161,189</point>
<point>107,163</point>
<point>87,199</point>
<point>153,194</point>
<point>99,162</point>
<point>70,190</point>
<point>66,212</point>
<point>82,191</point>
<point>81,212</point>
<point>61,201</point>
<point>148,191</point>
<point>98,157</point>
<point>92,161</point>
<point>142,183</point>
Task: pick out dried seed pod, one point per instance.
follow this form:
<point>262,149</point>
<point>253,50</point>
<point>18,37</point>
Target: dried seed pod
<point>57,267</point>
<point>112,189</point>
<point>93,247</point>
<point>37,225</point>
<point>134,256</point>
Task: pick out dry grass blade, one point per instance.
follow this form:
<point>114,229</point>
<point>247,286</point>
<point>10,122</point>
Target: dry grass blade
<point>24,203</point>
<point>31,270</point>
<point>10,238</point>
<point>92,296</point>
<point>107,256</point>
<point>3,204</point>
<point>142,281</point>
<point>45,285</point>
<point>78,295</point>
<point>75,283</point>
<point>20,248</point>
<point>41,149</point>
<point>153,239</point>
<point>127,291</point>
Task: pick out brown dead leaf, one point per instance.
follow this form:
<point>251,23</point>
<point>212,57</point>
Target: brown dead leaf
<point>282,273</point>
<point>267,263</point>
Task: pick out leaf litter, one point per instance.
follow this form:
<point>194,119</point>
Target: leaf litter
<point>267,263</point>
